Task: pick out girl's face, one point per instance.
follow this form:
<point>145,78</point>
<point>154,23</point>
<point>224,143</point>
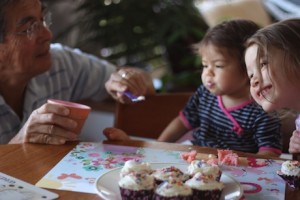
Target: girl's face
<point>222,73</point>
<point>269,87</point>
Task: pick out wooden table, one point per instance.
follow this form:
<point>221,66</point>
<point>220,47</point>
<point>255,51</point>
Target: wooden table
<point>30,162</point>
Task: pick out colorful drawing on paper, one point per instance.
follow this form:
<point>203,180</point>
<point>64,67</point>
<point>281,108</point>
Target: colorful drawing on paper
<point>259,180</point>
<point>80,168</point>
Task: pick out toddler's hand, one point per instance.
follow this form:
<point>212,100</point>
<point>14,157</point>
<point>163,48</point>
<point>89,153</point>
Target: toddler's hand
<point>115,134</point>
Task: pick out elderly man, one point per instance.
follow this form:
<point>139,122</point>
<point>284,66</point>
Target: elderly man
<point>33,71</point>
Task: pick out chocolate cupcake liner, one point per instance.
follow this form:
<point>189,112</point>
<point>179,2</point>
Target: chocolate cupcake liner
<point>292,181</point>
<point>128,194</point>
<point>206,194</point>
<point>159,197</point>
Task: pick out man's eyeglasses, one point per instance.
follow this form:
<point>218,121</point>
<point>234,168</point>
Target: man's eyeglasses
<point>36,26</point>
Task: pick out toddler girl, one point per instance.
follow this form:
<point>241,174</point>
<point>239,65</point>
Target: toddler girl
<point>221,112</point>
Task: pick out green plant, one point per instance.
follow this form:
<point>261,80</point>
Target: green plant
<point>139,33</point>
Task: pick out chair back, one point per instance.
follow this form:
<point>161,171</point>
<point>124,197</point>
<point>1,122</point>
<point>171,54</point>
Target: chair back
<point>150,117</point>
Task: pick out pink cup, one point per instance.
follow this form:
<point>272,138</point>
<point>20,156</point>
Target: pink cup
<point>78,112</point>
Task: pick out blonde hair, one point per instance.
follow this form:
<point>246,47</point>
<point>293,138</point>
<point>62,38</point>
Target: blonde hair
<point>283,36</point>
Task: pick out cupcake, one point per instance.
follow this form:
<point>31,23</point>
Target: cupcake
<point>173,189</point>
<point>136,186</point>
<point>290,172</point>
<point>211,171</point>
<point>136,167</point>
<point>166,173</point>
<point>204,187</point>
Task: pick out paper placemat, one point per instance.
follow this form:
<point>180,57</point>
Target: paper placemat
<point>80,168</point>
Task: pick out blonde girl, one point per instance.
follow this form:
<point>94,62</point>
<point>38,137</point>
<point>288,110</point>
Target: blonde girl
<point>273,66</point>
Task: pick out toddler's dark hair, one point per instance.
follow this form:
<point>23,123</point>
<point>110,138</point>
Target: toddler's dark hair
<point>230,36</point>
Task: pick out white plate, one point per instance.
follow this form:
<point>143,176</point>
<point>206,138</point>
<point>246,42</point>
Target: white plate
<point>107,184</point>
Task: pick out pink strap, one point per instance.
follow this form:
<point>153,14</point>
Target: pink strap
<point>185,121</point>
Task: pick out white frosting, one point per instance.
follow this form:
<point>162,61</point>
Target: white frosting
<point>169,173</point>
<point>135,166</point>
<point>137,182</point>
<point>201,182</point>
<point>173,188</point>
<point>206,169</point>
<point>291,167</point>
